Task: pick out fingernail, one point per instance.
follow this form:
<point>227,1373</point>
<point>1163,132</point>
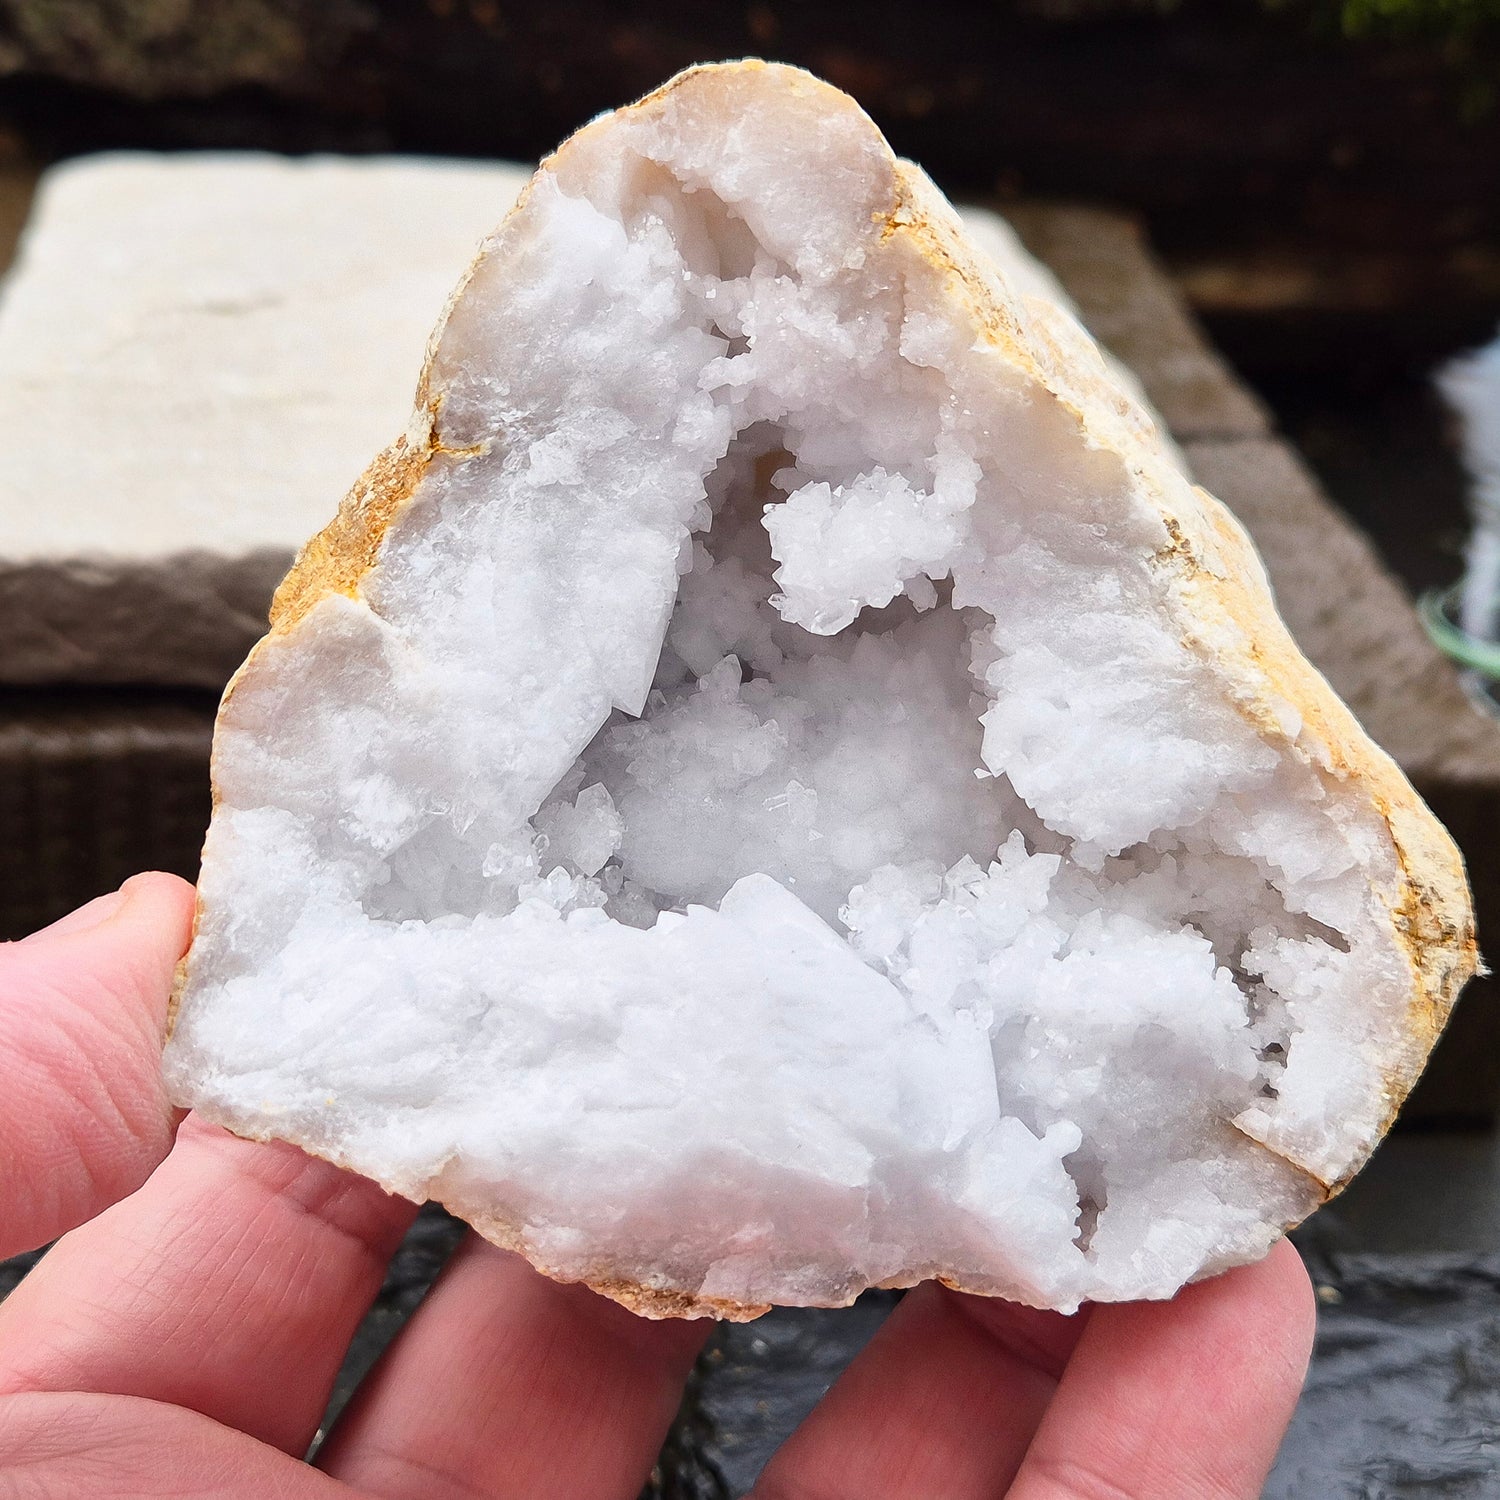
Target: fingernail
<point>90,914</point>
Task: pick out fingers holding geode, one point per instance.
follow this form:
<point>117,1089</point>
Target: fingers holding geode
<point>509,1384</point>
<point>230,1284</point>
<point>1180,1400</point>
<point>942,1401</point>
<point>84,1114</point>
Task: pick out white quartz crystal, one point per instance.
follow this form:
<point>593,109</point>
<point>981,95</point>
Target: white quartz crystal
<point>761,830</point>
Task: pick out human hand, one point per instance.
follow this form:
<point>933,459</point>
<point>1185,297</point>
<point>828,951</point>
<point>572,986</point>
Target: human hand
<point>184,1340</point>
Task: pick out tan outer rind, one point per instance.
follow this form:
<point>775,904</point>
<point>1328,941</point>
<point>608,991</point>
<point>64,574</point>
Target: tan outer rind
<point>1221,582</point>
<point>1226,611</point>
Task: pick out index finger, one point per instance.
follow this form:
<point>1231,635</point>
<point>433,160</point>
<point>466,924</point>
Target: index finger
<point>1180,1400</point>
<point>942,1401</point>
<point>84,1115</point>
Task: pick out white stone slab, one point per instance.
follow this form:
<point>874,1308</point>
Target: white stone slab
<point>205,350</point>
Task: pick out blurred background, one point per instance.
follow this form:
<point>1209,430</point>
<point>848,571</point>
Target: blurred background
<point>1284,214</point>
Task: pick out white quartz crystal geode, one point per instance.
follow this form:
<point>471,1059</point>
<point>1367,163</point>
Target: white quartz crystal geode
<point>778,784</point>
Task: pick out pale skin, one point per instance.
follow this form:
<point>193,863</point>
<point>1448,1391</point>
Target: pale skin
<point>182,1337</point>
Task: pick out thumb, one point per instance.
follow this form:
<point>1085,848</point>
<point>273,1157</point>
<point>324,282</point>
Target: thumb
<point>84,1116</point>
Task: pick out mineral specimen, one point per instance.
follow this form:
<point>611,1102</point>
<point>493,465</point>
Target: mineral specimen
<point>777,783</point>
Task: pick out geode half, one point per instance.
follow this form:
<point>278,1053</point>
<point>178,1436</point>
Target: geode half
<point>778,783</point>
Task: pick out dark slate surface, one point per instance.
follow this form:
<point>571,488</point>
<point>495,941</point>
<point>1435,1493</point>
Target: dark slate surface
<point>1403,1400</point>
<point>11,1271</point>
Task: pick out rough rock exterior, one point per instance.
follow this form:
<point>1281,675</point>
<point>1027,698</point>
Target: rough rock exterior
<point>1172,1087</point>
